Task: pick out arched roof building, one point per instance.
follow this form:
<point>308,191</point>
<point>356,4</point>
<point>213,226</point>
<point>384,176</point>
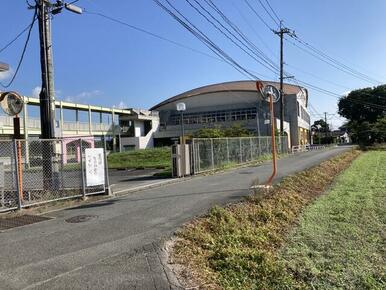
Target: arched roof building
<point>230,103</point>
<point>224,104</point>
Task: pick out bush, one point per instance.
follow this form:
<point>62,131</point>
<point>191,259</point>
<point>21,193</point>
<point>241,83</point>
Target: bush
<point>233,131</point>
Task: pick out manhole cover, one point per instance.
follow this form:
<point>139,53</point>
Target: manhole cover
<point>18,221</point>
<point>80,219</point>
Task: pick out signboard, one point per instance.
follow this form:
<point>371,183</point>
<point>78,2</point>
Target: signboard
<point>95,166</point>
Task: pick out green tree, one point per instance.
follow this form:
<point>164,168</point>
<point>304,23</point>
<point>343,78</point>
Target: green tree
<point>362,105</point>
<point>320,126</point>
<point>365,110</point>
<point>209,133</point>
<point>237,131</point>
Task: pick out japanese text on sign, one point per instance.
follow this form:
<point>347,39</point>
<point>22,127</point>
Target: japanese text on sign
<point>95,166</point>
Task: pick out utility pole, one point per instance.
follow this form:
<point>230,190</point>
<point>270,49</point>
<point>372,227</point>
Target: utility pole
<point>45,10</point>
<point>325,120</point>
<point>281,32</point>
<point>47,93</point>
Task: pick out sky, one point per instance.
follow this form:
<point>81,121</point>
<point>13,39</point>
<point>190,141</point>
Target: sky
<point>101,62</point>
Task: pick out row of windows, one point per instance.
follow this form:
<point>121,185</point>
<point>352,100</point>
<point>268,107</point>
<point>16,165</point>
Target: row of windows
<point>302,113</point>
<point>305,116</point>
<point>215,116</point>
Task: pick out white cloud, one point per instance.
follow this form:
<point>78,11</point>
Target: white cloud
<point>36,92</point>
<point>83,96</point>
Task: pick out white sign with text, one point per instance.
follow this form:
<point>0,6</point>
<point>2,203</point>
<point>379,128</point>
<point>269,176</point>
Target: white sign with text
<point>95,166</point>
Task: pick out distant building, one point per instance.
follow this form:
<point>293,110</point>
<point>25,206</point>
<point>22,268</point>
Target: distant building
<point>341,137</point>
<point>138,129</point>
<point>218,105</point>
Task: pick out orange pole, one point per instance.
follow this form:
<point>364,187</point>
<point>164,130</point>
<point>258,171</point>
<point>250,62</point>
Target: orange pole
<point>20,169</point>
<point>269,182</point>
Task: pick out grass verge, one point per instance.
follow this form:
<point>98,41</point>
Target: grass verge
<point>145,158</point>
<point>340,241</point>
<point>236,247</point>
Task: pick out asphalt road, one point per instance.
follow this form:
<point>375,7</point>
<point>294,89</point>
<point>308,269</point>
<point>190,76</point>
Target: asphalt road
<point>122,180</point>
<point>119,248</point>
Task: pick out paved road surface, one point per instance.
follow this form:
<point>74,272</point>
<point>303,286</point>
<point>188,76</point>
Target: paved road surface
<point>120,247</point>
<point>121,180</point>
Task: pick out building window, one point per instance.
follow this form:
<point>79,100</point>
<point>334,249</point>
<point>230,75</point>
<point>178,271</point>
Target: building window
<point>215,116</point>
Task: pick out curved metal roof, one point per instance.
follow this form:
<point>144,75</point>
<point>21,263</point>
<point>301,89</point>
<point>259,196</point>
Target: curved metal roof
<point>248,86</point>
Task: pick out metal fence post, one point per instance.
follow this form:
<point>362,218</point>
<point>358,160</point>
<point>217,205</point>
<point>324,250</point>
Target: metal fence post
<point>228,150</point>
<point>193,154</point>
<point>107,181</point>
<point>250,145</point>
<point>19,193</point>
<point>241,153</point>
<point>268,147</point>
<point>211,149</point>
<point>82,167</point>
<point>198,157</point>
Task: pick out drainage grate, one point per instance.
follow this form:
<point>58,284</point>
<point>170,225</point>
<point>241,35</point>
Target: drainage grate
<point>18,221</point>
<point>80,219</point>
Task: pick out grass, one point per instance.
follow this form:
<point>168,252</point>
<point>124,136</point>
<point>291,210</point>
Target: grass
<point>238,247</point>
<point>340,241</point>
<point>146,158</point>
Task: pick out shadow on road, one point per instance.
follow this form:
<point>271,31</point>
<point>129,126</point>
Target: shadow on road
<point>94,205</point>
<point>241,192</point>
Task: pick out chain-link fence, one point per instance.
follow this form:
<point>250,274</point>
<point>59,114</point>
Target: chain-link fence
<point>215,153</point>
<point>33,172</point>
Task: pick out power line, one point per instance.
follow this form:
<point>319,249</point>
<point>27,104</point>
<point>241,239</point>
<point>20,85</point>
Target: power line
<point>258,15</point>
<point>319,54</point>
<point>244,42</point>
<point>331,63</point>
<point>317,77</point>
<point>255,32</point>
<point>14,39</point>
<point>273,11</point>
<point>204,38</point>
<point>149,33</point>
<point>118,21</point>
<point>240,33</point>
<point>269,14</point>
<point>335,95</point>
<point>334,60</point>
<point>23,51</point>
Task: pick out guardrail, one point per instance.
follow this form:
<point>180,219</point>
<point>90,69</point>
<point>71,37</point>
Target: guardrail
<point>309,147</point>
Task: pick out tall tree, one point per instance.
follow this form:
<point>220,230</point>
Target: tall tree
<point>367,104</point>
<point>366,110</point>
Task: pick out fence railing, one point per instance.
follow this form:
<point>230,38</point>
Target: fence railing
<point>34,123</point>
<point>33,172</point>
<point>309,147</point>
<point>216,153</point>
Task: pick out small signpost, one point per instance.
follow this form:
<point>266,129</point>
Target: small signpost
<point>271,95</point>
<point>95,166</point>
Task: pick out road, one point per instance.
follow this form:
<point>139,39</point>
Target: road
<point>119,247</point>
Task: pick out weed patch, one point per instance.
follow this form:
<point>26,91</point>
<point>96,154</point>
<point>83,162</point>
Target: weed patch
<point>236,247</point>
<point>146,158</point>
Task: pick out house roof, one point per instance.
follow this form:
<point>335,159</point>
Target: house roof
<point>249,86</point>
